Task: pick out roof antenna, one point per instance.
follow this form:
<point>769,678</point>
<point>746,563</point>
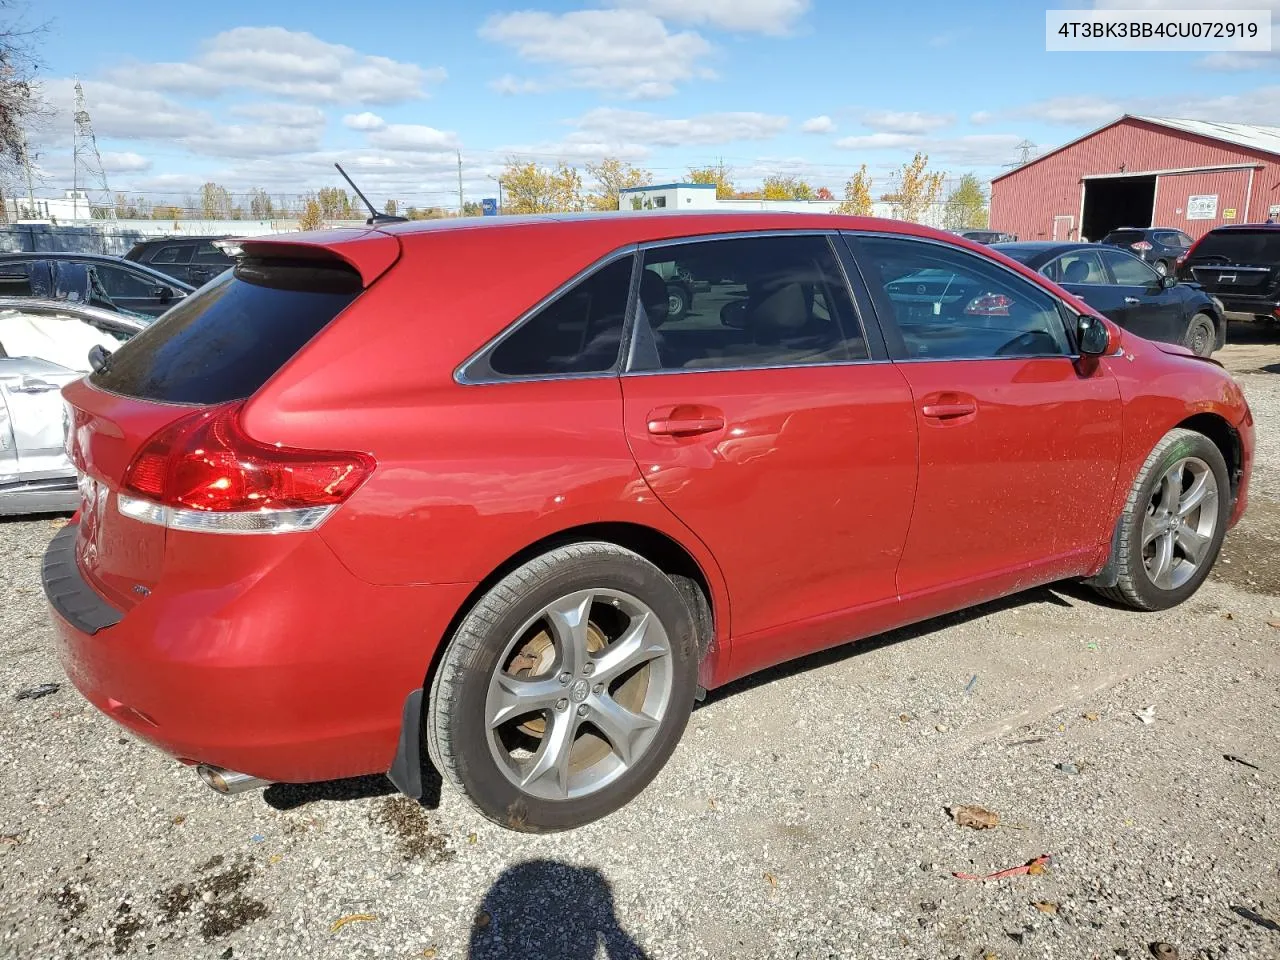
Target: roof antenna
<point>375,217</point>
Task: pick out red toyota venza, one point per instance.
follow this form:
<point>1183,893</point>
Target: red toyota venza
<point>513,493</point>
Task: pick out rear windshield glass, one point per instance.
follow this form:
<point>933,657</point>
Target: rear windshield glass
<point>1240,246</point>
<point>225,341</point>
<point>1123,236</point>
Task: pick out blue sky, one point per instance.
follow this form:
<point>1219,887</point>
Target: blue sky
<point>271,93</point>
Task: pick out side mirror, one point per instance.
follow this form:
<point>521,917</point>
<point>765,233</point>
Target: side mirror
<point>1092,335</point>
<point>1167,281</point>
<point>97,357</point>
<point>164,293</point>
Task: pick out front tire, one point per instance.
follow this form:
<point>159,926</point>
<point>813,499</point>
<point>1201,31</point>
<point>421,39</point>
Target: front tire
<point>1173,523</point>
<point>1201,336</point>
<point>1162,267</point>
<point>565,689</point>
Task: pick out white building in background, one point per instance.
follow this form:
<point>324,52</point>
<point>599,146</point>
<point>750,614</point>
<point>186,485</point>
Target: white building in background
<point>702,196</point>
<point>72,205</point>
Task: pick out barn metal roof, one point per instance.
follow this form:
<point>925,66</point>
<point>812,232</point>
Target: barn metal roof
<point>1250,135</point>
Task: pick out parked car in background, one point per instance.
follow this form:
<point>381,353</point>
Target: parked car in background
<point>193,260</point>
<point>45,345</point>
<point>1240,265</point>
<point>987,236</point>
<point>111,283</point>
<point>1124,289</point>
<point>322,535</point>
<point>1161,247</point>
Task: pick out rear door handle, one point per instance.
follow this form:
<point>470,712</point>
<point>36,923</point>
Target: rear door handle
<point>949,411</point>
<point>676,427</point>
<point>32,385</point>
<point>1132,300</point>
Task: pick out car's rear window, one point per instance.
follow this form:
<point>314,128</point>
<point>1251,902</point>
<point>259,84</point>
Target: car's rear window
<point>1240,246</point>
<point>226,341</point>
<point>1123,236</point>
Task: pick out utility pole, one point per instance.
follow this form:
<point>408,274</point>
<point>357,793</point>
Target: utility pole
<point>31,192</point>
<point>461,205</point>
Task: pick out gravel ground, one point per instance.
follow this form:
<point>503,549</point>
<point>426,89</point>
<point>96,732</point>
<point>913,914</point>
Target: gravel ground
<point>803,815</point>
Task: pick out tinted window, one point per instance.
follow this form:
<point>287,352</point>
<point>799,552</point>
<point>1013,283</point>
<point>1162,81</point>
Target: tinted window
<point>1183,240</point>
<point>578,332</point>
<point>122,284</point>
<point>1123,237</point>
<point>1260,247</point>
<point>173,254</point>
<point>224,342</point>
<point>755,301</point>
<point>1170,238</point>
<point>208,253</point>
<point>1129,271</point>
<point>949,304</point>
<point>1078,266</point>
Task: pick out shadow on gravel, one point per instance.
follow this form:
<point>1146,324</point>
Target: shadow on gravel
<point>1065,594</point>
<point>289,796</point>
<point>544,908</point>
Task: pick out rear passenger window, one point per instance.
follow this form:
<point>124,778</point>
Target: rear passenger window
<point>952,305</point>
<point>225,341</point>
<point>748,302</point>
<point>579,331</point>
<point>1129,271</point>
<point>173,254</point>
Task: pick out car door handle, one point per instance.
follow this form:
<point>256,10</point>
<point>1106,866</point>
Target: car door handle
<point>949,411</point>
<point>1132,300</point>
<point>677,427</point>
<point>30,385</point>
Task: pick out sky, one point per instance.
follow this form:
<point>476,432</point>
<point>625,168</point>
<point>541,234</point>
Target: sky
<point>269,94</point>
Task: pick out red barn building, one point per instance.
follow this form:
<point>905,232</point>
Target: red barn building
<point>1192,175</point>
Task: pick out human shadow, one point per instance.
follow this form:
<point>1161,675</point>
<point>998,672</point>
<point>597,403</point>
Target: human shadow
<point>548,909</point>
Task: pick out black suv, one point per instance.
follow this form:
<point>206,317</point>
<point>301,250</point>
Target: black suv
<point>987,236</point>
<point>1240,265</point>
<point>1162,247</point>
<point>92,278</point>
<point>193,260</point>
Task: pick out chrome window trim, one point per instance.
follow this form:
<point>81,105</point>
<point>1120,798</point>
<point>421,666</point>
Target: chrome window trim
<point>462,373</point>
<point>1062,304</point>
<point>830,235</point>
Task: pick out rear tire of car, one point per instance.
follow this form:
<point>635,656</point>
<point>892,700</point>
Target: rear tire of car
<point>1162,267</point>
<point>1153,516</point>
<point>1201,336</point>
<point>531,716</point>
<point>678,302</point>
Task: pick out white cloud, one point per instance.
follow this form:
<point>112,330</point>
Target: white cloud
<point>412,137</point>
<point>1240,60</point>
<point>126,162</point>
<point>822,124</point>
<point>286,63</point>
<point>607,123</point>
<point>363,121</point>
<point>282,114</point>
<point>120,112</point>
<point>235,140</point>
<point>979,117</point>
<point>1073,110</point>
<point>626,52</point>
<point>879,141</point>
<point>909,121</point>
<point>740,16</point>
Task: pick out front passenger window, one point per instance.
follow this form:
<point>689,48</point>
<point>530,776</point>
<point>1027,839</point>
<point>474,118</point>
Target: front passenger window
<point>948,304</point>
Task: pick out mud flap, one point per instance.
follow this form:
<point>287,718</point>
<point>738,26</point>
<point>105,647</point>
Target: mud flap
<point>406,768</point>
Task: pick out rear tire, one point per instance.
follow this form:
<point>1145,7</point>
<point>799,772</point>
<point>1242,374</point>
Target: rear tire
<point>1167,539</point>
<point>678,302</point>
<point>1201,336</point>
<point>565,689</point>
<point>1162,267</point>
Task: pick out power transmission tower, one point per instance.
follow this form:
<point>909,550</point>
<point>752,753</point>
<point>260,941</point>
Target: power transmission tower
<point>86,162</point>
<point>1026,152</point>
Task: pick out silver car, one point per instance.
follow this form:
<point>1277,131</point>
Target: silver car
<point>44,345</point>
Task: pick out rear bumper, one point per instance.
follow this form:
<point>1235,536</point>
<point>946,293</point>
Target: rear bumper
<point>294,672</point>
<point>1235,303</point>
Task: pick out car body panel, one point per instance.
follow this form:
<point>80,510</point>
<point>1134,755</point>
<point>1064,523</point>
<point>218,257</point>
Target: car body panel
<point>236,650</point>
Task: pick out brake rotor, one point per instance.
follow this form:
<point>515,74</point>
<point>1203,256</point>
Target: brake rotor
<point>536,657</point>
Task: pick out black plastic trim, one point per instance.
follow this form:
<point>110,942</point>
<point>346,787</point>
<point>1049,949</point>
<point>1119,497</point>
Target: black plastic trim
<point>70,596</point>
<point>406,768</point>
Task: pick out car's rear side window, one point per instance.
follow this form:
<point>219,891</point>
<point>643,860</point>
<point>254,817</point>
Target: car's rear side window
<point>580,331</point>
<point>227,340</point>
<point>1260,247</point>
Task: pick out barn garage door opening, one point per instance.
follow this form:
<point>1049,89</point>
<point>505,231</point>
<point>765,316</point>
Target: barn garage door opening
<point>1112,202</point>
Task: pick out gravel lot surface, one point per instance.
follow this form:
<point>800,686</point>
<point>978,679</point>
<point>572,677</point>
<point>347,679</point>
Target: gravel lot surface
<point>802,816</point>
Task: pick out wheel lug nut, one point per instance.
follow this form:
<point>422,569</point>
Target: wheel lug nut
<point>582,709</point>
<point>599,688</point>
<point>562,705</point>
<point>588,668</point>
<point>565,678</point>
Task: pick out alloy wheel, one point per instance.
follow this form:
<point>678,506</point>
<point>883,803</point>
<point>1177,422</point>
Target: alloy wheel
<point>579,694</point>
<point>1180,522</point>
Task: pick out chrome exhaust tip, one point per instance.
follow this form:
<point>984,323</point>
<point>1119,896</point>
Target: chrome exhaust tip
<point>227,782</point>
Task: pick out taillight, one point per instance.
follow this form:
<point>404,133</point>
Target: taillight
<point>989,305</point>
<point>1141,245</point>
<point>204,473</point>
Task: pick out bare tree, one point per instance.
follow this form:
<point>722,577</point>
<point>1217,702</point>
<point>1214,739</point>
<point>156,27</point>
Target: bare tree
<point>20,103</point>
